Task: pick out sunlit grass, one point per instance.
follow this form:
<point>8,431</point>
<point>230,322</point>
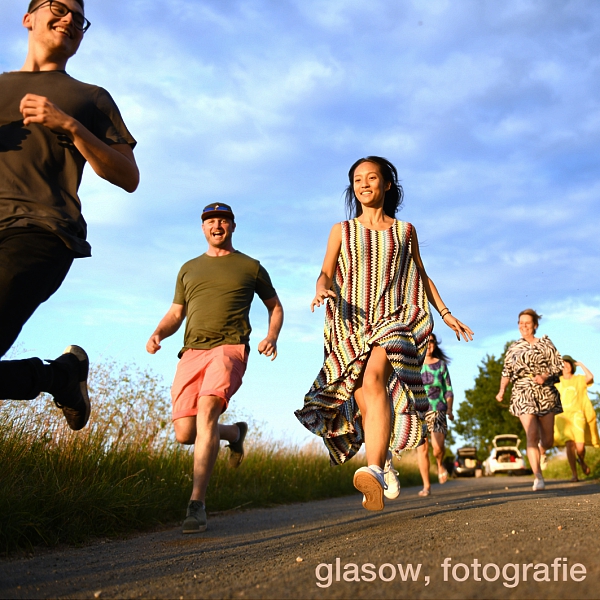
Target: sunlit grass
<point>558,466</point>
<point>58,486</point>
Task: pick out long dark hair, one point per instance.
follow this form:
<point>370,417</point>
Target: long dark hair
<point>437,351</point>
<point>393,197</point>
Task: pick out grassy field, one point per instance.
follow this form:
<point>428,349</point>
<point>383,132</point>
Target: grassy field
<point>64,487</point>
<point>558,467</point>
<point>125,473</point>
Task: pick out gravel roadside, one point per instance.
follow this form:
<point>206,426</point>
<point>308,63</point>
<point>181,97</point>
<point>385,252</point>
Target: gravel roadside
<point>486,531</point>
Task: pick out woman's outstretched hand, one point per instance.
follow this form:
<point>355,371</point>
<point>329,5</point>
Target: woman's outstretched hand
<point>459,328</point>
<point>320,298</point>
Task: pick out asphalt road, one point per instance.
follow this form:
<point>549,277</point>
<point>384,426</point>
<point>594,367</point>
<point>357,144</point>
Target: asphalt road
<point>484,530</point>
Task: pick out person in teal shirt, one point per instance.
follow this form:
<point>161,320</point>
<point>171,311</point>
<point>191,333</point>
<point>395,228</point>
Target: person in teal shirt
<point>436,380</point>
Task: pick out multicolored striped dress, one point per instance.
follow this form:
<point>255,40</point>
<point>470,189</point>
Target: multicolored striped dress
<point>379,300</point>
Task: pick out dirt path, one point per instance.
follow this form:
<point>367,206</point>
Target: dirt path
<point>256,554</point>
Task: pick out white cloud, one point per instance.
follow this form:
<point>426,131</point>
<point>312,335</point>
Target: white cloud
<point>489,110</point>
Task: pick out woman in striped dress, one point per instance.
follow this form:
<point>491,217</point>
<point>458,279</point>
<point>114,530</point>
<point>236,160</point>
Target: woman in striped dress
<point>533,365</point>
<point>377,324</point>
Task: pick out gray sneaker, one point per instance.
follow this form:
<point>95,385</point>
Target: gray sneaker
<point>236,454</point>
<point>73,399</point>
<point>195,518</point>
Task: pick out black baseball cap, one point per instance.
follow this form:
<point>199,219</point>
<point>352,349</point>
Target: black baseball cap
<point>217,209</point>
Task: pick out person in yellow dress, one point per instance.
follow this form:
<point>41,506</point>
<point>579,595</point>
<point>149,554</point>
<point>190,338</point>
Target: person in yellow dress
<point>576,427</point>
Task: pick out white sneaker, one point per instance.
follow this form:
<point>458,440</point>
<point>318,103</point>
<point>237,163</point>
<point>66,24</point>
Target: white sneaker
<point>370,481</point>
<point>538,484</point>
<point>390,476</point>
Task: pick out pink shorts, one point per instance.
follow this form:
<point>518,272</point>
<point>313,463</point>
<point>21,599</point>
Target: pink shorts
<point>214,372</point>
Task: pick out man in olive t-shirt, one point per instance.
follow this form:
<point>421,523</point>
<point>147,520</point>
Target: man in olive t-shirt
<point>50,126</point>
<point>214,292</point>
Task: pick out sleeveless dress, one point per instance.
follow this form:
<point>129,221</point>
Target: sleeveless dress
<point>379,300</point>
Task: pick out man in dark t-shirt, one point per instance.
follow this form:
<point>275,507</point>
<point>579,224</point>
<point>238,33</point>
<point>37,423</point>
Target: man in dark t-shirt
<point>214,291</point>
<point>50,126</point>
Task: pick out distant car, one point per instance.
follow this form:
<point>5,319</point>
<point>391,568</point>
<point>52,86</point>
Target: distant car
<point>505,456</point>
<point>466,463</point>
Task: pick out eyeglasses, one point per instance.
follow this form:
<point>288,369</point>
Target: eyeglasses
<point>58,9</point>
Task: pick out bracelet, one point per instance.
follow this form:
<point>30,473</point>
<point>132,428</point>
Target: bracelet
<point>443,314</point>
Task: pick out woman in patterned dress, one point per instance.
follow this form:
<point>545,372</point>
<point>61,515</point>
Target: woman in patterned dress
<point>440,396</point>
<point>533,365</point>
<point>377,323</point>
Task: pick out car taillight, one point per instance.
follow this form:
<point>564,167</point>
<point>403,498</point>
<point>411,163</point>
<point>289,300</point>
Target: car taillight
<point>456,463</point>
<point>513,459</point>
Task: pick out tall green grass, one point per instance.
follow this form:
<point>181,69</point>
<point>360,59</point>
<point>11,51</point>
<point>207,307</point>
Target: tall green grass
<point>558,466</point>
<point>125,473</point>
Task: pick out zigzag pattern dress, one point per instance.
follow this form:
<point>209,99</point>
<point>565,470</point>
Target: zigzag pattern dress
<point>380,300</point>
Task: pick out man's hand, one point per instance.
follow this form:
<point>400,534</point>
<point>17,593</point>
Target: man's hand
<point>114,163</point>
<point>153,344</point>
<point>38,109</point>
<point>268,347</point>
<point>541,379</point>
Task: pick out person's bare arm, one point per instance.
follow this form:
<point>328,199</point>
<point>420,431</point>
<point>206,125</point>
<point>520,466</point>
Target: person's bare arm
<point>503,383</point>
<point>114,163</point>
<point>589,376</point>
<point>325,279</point>
<point>450,403</point>
<point>168,325</point>
<point>433,295</point>
<point>268,346</point>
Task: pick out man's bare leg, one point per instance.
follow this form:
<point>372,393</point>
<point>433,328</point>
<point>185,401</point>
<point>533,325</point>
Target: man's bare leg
<point>205,432</point>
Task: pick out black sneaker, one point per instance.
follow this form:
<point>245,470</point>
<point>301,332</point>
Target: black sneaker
<point>236,455</point>
<point>195,518</point>
<point>73,398</point>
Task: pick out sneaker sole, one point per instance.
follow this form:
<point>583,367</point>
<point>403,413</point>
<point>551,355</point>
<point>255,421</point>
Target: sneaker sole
<point>84,366</point>
<point>194,527</point>
<point>235,457</point>
<point>371,490</point>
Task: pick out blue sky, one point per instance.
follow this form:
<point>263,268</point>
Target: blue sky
<point>490,111</point>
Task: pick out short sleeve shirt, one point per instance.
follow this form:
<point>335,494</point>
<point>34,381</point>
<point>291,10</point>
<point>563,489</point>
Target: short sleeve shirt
<point>41,169</point>
<point>573,393</point>
<point>217,292</point>
<point>438,387</point>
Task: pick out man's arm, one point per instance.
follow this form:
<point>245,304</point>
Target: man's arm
<point>168,325</point>
<point>268,346</point>
<point>114,163</point>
